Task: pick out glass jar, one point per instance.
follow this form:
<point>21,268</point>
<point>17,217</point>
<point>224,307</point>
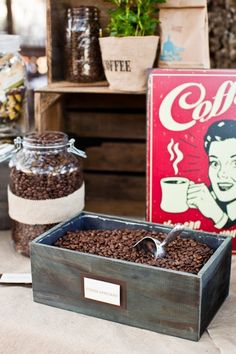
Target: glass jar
<point>46,185</point>
<point>83,56</point>
<point>13,103</point>
<point>6,146</point>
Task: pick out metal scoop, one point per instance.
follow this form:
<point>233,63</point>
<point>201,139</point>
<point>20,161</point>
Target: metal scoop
<point>157,248</point>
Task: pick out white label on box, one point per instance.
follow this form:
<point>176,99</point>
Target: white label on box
<point>16,278</point>
<point>102,291</point>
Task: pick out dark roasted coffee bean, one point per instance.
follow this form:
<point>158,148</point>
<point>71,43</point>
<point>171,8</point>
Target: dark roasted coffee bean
<point>184,255</point>
<point>42,171</point>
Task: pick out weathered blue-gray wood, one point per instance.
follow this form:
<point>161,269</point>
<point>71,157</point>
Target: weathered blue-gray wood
<point>161,300</point>
<point>215,280</point>
<point>5,222</point>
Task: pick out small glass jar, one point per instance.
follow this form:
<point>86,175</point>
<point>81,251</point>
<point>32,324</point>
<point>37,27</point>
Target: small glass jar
<point>83,56</point>
<point>43,169</point>
<point>13,103</point>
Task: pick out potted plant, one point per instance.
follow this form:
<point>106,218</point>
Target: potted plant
<point>131,47</point>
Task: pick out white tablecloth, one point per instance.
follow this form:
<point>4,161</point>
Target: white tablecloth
<point>31,328</point>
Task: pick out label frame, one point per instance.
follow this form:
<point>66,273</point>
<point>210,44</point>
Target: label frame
<point>123,290</point>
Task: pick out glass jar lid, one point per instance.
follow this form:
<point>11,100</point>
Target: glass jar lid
<point>46,139</point>
<point>9,43</point>
<point>41,141</point>
<point>6,151</point>
<point>84,11</point>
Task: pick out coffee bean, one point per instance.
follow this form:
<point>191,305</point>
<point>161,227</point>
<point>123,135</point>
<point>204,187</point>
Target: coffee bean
<point>42,173</point>
<point>83,56</point>
<point>185,255</point>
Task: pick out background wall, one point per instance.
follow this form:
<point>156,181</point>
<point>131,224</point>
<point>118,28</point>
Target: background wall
<point>222,33</point>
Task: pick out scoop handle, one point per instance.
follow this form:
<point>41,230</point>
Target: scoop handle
<point>176,231</point>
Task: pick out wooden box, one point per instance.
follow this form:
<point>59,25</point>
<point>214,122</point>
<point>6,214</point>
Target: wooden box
<point>161,300</point>
<point>111,128</point>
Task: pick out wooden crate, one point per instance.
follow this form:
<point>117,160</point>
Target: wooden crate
<point>161,300</point>
<point>109,125</point>
<point>111,128</point>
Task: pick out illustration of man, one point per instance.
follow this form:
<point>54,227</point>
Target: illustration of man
<point>219,201</point>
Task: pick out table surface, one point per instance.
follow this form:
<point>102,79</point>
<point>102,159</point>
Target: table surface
<point>31,328</point>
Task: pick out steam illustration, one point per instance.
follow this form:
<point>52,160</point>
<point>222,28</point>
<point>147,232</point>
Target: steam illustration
<point>175,154</point>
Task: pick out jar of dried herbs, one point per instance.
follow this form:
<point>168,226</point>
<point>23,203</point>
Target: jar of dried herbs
<point>46,185</point>
<point>13,105</point>
<point>83,57</point>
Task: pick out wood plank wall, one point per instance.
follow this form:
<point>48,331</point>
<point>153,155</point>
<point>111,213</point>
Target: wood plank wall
<point>112,130</point>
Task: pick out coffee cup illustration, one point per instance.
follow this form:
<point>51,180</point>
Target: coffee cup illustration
<point>174,194</point>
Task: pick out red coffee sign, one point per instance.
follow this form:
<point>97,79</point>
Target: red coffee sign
<point>191,155</point>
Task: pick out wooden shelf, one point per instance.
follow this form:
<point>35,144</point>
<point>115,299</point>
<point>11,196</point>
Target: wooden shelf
<point>110,125</point>
<point>131,209</point>
<point>96,87</point>
<point>56,15</point>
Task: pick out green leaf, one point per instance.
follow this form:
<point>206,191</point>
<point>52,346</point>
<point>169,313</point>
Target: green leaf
<point>133,17</point>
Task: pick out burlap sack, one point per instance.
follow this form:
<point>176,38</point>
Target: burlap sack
<point>127,59</point>
<point>184,34</point>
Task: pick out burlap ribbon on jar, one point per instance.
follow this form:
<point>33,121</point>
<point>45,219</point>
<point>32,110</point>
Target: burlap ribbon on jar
<point>49,211</point>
